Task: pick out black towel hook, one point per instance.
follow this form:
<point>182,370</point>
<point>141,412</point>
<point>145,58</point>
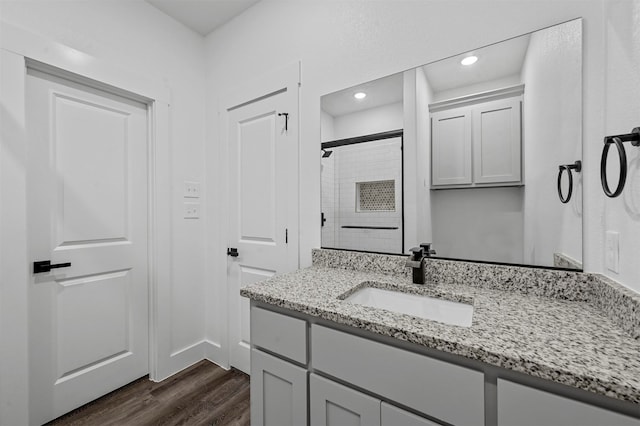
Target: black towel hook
<point>617,140</point>
<point>286,120</point>
<point>577,166</point>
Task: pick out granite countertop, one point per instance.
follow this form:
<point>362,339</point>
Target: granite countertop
<point>568,342</point>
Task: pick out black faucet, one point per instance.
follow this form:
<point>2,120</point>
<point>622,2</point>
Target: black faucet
<point>417,261</point>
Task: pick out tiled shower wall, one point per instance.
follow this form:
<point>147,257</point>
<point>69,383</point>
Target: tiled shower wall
<point>367,162</point>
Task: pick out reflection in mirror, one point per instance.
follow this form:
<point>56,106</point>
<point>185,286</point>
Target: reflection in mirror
<point>362,193</point>
<point>485,134</point>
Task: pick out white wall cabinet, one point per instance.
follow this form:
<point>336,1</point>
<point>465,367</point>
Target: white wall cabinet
<point>451,147</point>
<point>477,145</point>
<point>497,141</point>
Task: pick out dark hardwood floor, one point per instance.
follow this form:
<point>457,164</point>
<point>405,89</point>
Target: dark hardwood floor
<point>203,394</point>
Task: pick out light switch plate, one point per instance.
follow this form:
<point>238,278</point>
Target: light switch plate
<point>612,251</point>
<point>191,210</point>
<point>191,189</point>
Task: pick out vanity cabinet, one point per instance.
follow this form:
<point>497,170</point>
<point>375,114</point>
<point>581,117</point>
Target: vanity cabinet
<point>278,391</point>
<point>394,416</point>
<point>526,406</point>
<point>440,389</point>
<point>477,145</point>
<point>332,404</point>
<point>278,385</point>
<point>306,370</point>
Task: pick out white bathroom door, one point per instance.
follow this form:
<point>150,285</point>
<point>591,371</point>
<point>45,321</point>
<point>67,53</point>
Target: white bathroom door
<point>87,206</point>
<point>263,210</point>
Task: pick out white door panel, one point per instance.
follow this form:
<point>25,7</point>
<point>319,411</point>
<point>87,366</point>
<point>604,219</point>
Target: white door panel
<point>87,202</point>
<point>262,204</point>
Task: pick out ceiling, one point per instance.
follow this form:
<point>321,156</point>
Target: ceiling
<point>384,91</point>
<point>203,16</point>
<point>496,61</point>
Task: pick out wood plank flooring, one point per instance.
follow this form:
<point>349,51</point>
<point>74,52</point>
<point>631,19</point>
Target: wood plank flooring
<point>203,394</point>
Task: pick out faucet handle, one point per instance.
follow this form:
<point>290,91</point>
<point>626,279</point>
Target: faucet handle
<point>417,253</point>
<point>428,251</point>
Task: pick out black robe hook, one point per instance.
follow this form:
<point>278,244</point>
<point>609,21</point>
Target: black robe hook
<point>286,120</point>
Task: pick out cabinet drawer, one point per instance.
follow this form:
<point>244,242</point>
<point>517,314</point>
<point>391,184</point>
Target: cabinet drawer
<point>279,334</point>
<point>525,406</point>
<point>439,389</point>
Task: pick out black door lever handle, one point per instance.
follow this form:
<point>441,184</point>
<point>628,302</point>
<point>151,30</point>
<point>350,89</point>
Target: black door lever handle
<point>46,266</point>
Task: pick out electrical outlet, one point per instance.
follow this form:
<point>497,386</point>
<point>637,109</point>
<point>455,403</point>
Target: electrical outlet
<point>612,251</point>
<point>191,210</point>
<point>191,189</point>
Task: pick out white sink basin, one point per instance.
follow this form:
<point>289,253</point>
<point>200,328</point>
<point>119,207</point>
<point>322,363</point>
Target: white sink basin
<point>431,308</point>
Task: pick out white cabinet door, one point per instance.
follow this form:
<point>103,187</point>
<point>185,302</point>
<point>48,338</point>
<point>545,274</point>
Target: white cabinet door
<point>496,141</point>
<point>394,416</point>
<point>332,404</point>
<point>278,392</point>
<point>451,147</point>
<point>524,406</point>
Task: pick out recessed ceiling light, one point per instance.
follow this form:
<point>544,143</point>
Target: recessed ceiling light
<point>469,60</point>
<point>360,95</point>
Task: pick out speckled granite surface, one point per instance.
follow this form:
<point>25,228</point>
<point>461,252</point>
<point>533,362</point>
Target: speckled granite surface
<point>554,330</point>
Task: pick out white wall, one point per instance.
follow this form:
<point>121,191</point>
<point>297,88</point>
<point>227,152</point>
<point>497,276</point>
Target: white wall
<point>552,136</point>
<point>622,113</point>
<point>369,40</point>
<point>492,215</point>
<point>424,96</point>
<point>136,37</point>
<point>326,127</point>
<point>373,120</point>
<point>328,203</point>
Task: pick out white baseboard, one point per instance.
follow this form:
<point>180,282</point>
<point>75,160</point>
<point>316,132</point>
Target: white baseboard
<point>186,357</point>
<point>216,354</point>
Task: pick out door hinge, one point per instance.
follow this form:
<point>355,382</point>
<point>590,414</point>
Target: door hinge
<point>286,236</point>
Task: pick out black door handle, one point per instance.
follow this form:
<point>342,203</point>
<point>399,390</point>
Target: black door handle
<point>233,252</point>
<point>46,266</point>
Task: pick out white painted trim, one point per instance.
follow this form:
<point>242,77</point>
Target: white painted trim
<point>14,354</point>
<point>41,49</point>
<point>490,95</point>
<point>17,47</point>
<point>213,352</point>
<point>186,357</point>
<point>161,221</point>
<point>287,77</point>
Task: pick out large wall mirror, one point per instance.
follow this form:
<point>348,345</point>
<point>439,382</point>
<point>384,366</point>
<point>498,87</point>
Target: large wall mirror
<point>479,154</point>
